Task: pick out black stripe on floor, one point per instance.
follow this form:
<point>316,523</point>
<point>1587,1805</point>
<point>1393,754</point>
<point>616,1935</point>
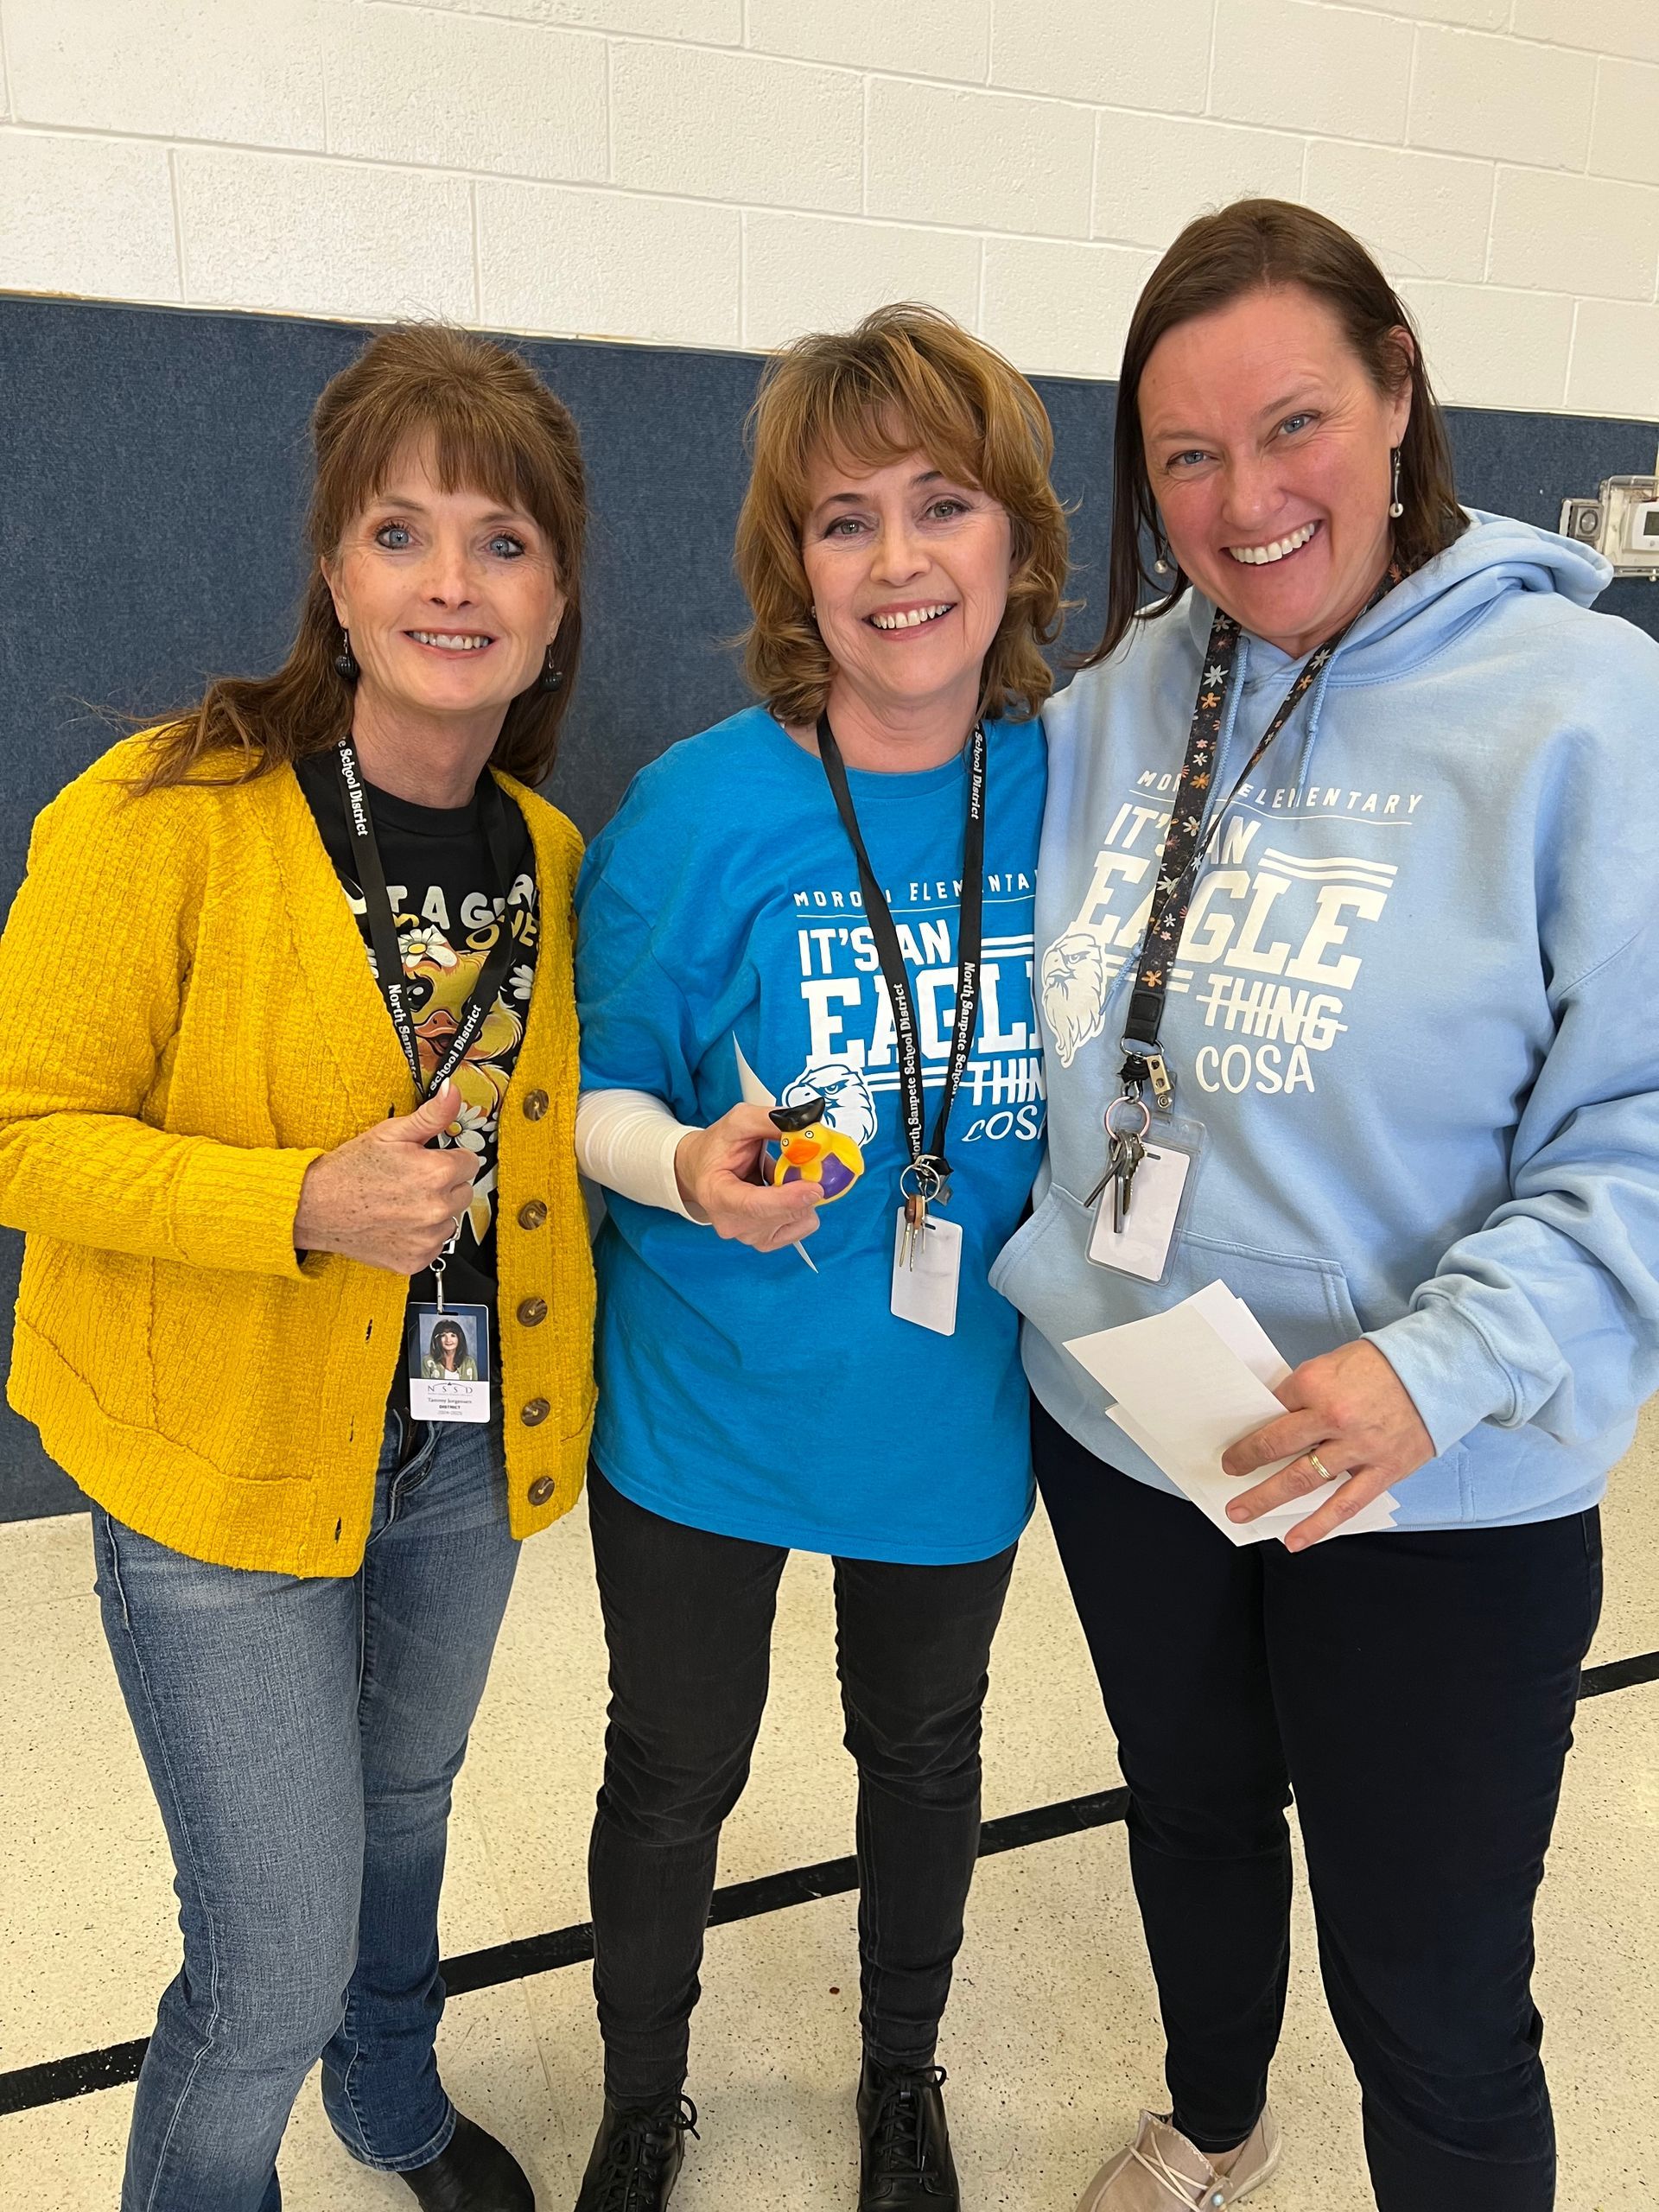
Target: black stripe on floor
<point>26,2088</point>
<point>1620,1674</point>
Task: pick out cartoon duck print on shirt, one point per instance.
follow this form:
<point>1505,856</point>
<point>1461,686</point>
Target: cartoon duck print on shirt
<point>443,976</point>
<point>449,910</point>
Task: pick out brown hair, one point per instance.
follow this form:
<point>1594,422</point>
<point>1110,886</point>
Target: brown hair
<point>1256,246</point>
<point>908,379</point>
<point>493,427</point>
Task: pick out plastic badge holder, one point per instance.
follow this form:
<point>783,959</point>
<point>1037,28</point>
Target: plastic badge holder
<point>1160,1199</point>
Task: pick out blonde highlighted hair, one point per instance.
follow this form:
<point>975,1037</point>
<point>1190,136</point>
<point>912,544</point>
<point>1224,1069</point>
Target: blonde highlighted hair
<point>908,379</point>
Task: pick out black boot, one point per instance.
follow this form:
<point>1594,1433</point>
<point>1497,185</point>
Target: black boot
<point>474,2173</point>
<point>636,2157</point>
<point>904,2143</point>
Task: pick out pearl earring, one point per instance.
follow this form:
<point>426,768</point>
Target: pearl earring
<point>345,665</point>
<point>1396,510</point>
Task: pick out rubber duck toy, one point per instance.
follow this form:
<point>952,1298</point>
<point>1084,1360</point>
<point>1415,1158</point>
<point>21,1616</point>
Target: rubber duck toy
<point>811,1152</point>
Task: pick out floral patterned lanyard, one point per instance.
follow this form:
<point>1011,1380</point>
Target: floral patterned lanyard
<point>1186,843</point>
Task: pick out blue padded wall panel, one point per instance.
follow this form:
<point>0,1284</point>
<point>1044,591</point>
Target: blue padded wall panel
<point>152,482</point>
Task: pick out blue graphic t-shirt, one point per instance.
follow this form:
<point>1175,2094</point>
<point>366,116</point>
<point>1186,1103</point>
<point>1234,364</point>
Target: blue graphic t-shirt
<point>720,915</point>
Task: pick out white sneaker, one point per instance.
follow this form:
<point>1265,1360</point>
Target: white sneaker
<point>1161,2171</point>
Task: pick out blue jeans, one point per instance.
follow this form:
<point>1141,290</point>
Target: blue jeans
<point>301,1737</point>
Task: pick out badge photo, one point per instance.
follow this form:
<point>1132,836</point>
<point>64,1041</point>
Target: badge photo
<point>449,1362</point>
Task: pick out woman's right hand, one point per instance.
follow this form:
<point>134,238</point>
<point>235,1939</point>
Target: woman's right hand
<point>716,1169</point>
<point>385,1199</point>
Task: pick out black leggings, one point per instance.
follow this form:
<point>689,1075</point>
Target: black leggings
<point>688,1620</point>
<point>1417,1691</point>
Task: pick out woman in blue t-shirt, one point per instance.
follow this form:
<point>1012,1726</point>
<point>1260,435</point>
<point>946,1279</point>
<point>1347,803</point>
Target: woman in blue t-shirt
<point>822,906</point>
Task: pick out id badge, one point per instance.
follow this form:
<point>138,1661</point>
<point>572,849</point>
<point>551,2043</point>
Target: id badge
<point>1161,1196</point>
<point>448,1362</point>
<point>926,1292</point>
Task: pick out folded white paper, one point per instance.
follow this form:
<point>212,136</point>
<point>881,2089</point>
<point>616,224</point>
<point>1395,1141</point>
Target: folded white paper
<point>1190,1381</point>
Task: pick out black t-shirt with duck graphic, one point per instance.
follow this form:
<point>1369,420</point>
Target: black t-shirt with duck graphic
<point>449,913</point>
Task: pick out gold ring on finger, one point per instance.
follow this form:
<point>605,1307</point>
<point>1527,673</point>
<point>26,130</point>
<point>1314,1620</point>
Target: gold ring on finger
<point>1320,1467</point>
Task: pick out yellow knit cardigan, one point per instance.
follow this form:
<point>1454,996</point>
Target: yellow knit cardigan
<point>190,1021</point>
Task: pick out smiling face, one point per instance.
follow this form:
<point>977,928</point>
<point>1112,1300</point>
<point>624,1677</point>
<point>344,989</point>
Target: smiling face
<point>1267,449</point>
<point>451,600</point>
<point>909,576</point>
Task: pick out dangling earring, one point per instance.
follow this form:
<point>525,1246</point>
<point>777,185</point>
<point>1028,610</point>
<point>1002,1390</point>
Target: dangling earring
<point>1161,566</point>
<point>345,665</point>
<point>1396,510</point>
<point>551,677</point>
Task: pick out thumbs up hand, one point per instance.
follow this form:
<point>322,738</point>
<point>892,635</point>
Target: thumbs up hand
<point>384,1197</point>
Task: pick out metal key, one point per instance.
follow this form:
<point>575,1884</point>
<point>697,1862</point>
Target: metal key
<point>915,1227</point>
<point>1124,1153</point>
<point>1127,1153</point>
<point>920,1186</point>
<point>1123,1156</point>
<point>1111,1169</point>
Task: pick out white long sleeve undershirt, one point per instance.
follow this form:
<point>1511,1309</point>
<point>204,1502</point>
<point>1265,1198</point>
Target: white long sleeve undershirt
<point>627,1140</point>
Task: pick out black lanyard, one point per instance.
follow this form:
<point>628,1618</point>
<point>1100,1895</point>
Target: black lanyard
<point>1194,824</point>
<point>506,856</point>
<point>970,947</point>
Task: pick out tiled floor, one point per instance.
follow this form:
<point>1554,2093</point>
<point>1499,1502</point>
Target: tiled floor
<point>1052,2037</point>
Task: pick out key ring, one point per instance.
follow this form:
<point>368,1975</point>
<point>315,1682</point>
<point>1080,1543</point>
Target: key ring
<point>929,1181</point>
<point>1138,1105</point>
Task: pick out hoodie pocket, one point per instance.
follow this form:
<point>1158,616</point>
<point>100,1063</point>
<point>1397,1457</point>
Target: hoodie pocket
<point>1303,1302</point>
<point>1044,1270</point>
<point>1305,1307</point>
<point>1044,1275</point>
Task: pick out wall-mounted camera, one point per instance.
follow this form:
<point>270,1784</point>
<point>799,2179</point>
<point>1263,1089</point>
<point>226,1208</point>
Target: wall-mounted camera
<point>1622,522</point>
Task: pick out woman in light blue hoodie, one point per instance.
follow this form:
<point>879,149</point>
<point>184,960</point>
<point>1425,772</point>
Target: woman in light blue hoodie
<point>1348,874</point>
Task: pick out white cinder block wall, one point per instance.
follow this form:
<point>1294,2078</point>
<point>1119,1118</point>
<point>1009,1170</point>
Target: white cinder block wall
<point>726,172</point>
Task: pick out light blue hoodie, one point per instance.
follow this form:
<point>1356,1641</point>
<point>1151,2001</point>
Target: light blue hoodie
<point>1416,1007</point>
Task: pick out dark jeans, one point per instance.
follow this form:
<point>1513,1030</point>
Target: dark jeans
<point>1417,1692</point>
<point>688,1618</point>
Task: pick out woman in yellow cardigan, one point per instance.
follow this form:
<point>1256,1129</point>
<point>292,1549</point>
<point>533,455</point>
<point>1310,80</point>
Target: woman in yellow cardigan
<point>251,1177</point>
